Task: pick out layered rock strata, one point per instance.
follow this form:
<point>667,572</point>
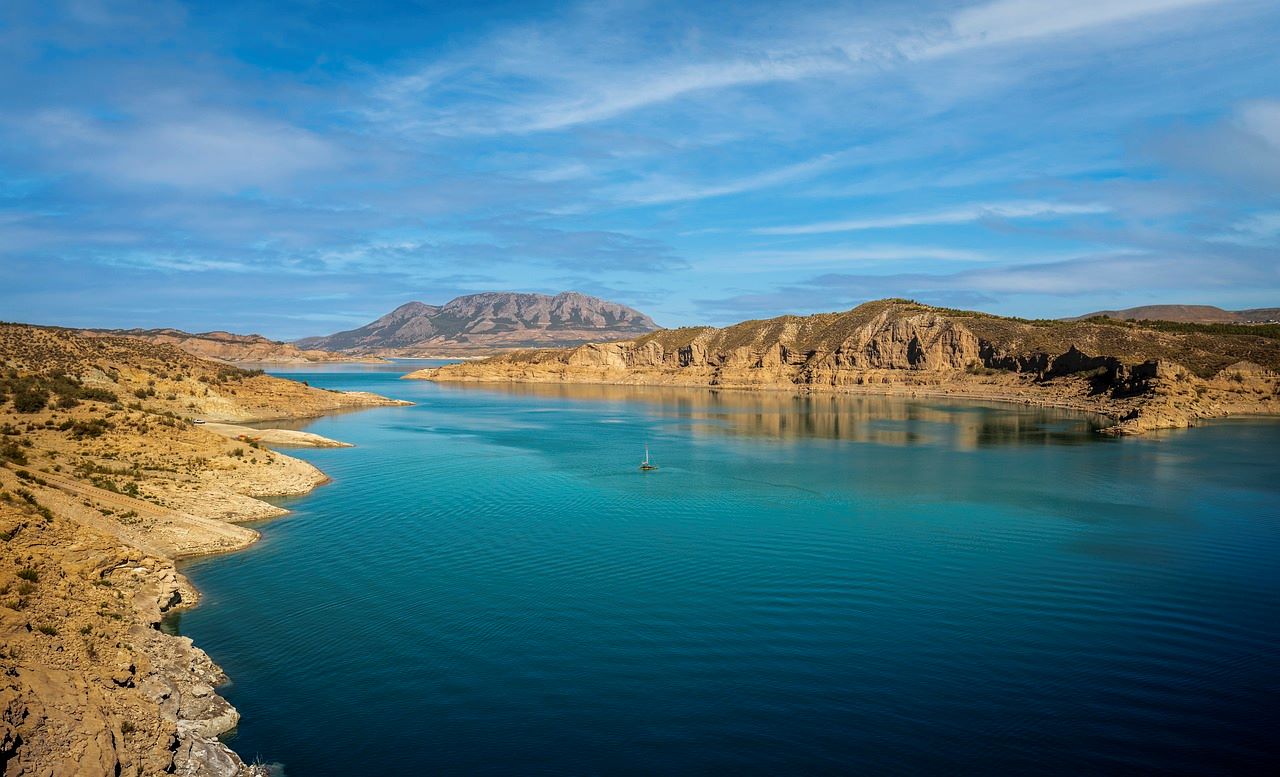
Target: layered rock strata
<point>1141,377</point>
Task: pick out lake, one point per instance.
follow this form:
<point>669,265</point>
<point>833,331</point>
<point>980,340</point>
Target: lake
<point>805,585</point>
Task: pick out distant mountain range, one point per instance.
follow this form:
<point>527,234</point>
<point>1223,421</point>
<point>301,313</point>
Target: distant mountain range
<point>1191,314</point>
<point>228,347</point>
<point>488,322</point>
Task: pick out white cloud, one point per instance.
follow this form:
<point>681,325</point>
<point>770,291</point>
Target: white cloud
<point>1009,21</point>
<point>218,151</point>
<point>659,190</point>
<point>577,70</point>
<point>961,215</point>
<point>614,97</point>
<point>1261,118</point>
<point>769,261</point>
<point>1258,229</point>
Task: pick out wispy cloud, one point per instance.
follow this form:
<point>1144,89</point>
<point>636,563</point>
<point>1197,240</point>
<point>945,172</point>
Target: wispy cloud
<point>1064,279</point>
<point>660,150</point>
<point>1025,21</point>
<point>568,82</point>
<point>772,260</point>
<point>209,150</point>
<point>960,215</point>
<point>1257,229</point>
<point>658,190</point>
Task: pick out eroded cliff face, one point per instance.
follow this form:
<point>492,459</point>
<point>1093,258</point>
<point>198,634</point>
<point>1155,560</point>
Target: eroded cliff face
<point>1123,372</point>
<point>90,685</point>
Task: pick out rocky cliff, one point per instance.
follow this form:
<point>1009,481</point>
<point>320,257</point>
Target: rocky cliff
<point>104,481</point>
<point>484,323</point>
<point>231,348</point>
<point>1143,378</point>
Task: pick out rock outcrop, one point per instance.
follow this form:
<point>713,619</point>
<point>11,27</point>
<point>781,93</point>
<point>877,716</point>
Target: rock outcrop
<point>1142,377</point>
<point>489,322</point>
<point>92,686</point>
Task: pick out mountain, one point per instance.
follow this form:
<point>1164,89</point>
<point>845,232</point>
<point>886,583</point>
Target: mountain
<point>488,322</point>
<point>1141,375</point>
<point>1191,314</point>
<point>228,347</point>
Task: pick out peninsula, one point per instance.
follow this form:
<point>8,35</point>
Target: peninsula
<point>1142,375</point>
<point>106,480</point>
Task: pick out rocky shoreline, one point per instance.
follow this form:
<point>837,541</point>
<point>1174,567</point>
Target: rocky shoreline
<point>1140,377</point>
<point>105,483</point>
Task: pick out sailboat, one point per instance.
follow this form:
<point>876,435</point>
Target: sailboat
<point>645,465</point>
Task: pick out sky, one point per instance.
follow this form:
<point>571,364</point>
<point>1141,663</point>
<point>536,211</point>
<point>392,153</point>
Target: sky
<point>295,168</point>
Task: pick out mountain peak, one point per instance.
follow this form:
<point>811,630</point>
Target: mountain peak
<point>490,321</point>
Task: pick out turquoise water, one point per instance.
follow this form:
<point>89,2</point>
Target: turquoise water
<point>824,585</point>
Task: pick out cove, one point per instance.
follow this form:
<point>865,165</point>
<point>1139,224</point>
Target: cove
<point>805,585</point>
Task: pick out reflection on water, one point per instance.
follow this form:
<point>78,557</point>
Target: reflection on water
<point>808,585</point>
<point>888,420</point>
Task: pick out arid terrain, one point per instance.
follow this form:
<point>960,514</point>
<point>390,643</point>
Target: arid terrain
<point>104,481</point>
<point>233,348</point>
<point>1141,376</point>
<point>1191,314</point>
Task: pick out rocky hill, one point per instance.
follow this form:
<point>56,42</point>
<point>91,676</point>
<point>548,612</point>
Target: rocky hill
<point>1191,314</point>
<point>1142,376</point>
<point>105,480</point>
<point>231,348</point>
<point>489,322</point>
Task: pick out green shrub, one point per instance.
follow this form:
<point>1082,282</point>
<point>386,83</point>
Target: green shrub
<point>30,400</point>
<point>97,395</point>
<point>10,451</point>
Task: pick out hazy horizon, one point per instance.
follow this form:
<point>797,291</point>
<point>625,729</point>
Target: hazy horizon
<point>293,170</point>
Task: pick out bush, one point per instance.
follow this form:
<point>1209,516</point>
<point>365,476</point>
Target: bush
<point>30,400</point>
<point>97,395</point>
<point>94,427</point>
<point>29,574</point>
<point>11,451</point>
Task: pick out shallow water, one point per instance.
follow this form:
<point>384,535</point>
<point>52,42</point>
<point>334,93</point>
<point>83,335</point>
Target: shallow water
<point>818,585</point>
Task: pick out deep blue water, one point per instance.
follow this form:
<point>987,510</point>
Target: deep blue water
<point>823,585</point>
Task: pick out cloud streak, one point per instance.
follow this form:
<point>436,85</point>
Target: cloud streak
<point>961,215</point>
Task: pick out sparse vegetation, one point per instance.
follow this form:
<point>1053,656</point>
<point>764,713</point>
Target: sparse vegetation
<point>12,452</point>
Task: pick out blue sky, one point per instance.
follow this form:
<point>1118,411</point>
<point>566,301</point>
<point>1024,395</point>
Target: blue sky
<point>294,168</point>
